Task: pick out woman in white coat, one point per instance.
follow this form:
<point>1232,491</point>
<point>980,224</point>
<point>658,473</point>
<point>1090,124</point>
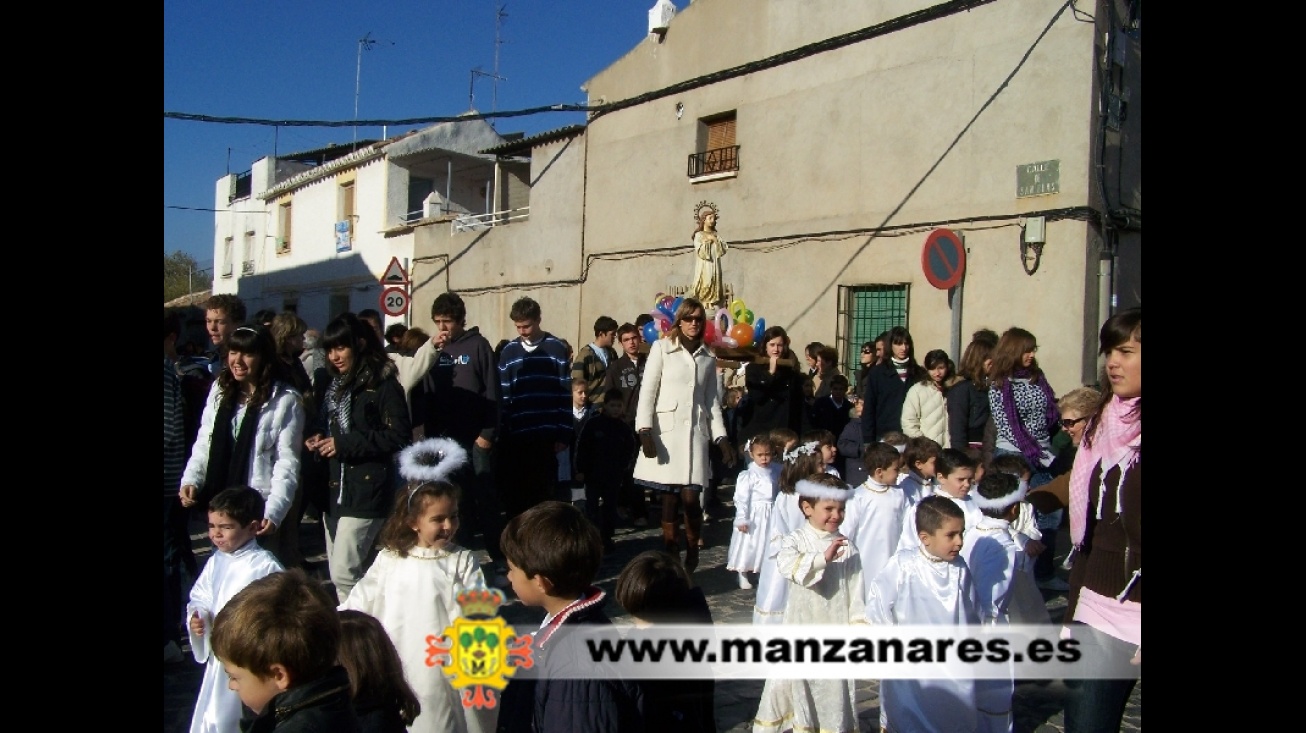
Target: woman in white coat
<point>925,409</point>
<point>249,433</point>
<point>678,417</point>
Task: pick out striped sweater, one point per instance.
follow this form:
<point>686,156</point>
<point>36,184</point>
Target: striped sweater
<point>535,390</point>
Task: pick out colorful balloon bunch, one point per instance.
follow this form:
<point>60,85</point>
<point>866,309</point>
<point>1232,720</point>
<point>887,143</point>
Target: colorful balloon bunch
<point>733,327</point>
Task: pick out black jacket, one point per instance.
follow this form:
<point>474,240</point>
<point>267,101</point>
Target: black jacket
<point>885,393</point>
<point>683,705</point>
<point>771,401</point>
<point>364,460</point>
<point>603,450</point>
<point>968,410</point>
<point>320,706</point>
<point>540,700</point>
<point>459,397</point>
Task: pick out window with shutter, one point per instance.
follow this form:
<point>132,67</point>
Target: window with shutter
<point>718,152</point>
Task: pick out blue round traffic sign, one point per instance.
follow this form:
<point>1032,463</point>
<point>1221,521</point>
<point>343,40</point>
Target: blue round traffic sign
<point>943,259</point>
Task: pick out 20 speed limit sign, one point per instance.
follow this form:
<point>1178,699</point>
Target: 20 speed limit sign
<point>394,301</point>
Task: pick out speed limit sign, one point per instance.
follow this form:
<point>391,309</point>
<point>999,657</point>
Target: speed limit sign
<point>394,301</point>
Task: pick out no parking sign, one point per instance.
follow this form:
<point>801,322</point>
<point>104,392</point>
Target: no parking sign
<point>943,259</point>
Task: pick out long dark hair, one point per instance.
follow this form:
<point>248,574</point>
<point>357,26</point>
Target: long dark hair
<point>1125,325</point>
<point>255,341</point>
<point>771,333</point>
<point>900,335</point>
<point>1015,343</point>
<point>371,364</point>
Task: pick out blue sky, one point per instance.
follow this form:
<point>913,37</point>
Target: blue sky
<point>296,59</point>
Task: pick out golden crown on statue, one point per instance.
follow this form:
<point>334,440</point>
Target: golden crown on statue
<point>480,602</point>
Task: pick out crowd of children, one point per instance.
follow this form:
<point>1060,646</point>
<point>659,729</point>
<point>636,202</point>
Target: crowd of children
<point>920,533</point>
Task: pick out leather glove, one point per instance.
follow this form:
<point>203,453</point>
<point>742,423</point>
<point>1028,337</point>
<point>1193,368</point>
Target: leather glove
<point>646,443</point>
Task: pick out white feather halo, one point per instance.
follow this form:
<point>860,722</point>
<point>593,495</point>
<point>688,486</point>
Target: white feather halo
<point>813,490</point>
<point>1001,502</point>
<point>433,459</point>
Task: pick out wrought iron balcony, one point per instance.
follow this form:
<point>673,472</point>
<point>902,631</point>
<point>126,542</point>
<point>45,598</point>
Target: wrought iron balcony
<point>721,160</point>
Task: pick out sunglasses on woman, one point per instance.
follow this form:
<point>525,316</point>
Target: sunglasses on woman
<point>1067,422</point>
<point>694,319</point>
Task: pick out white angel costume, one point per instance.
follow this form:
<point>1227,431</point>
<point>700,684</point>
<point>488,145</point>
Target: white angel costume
<point>218,709</point>
<point>995,561</point>
<point>772,588</point>
<point>915,486</point>
<point>873,523</point>
<point>754,490</point>
<point>413,596</point>
<point>911,540</point>
<point>916,588</point>
<point>819,593</point>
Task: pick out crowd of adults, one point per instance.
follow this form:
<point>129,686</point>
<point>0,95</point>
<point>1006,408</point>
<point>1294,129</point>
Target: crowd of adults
<point>314,422</point>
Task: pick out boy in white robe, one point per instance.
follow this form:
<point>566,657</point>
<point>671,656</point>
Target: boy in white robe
<point>954,472</point>
<point>235,515</point>
<point>995,560</point>
<point>877,509</point>
<point>825,576</point>
<point>927,584</point>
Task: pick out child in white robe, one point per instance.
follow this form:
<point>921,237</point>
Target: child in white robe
<point>877,509</point>
<point>235,515</point>
<point>800,462</point>
<point>927,584</point>
<point>413,586</point>
<point>954,472</point>
<point>825,576</point>
<point>918,459</point>
<point>754,492</point>
<point>995,561</point>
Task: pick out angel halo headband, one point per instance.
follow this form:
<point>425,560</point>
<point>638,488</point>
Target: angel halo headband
<point>806,449</point>
<point>430,460</point>
<point>813,490</point>
<point>1001,502</point>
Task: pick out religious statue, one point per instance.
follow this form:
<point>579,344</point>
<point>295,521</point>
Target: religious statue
<point>708,251</point>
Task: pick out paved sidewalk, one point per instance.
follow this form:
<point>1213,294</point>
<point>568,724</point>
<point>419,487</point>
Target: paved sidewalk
<point>1037,705</point>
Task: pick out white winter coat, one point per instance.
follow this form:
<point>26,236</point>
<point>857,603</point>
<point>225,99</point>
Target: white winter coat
<point>925,413</point>
<point>680,400</point>
<point>274,469</point>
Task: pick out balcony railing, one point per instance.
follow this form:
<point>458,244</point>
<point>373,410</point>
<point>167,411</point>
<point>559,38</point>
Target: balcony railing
<point>475,222</point>
<point>720,160</point>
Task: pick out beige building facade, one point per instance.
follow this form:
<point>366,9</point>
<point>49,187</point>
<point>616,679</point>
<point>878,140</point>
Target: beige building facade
<point>834,136</point>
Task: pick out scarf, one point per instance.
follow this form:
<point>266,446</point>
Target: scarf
<point>229,458</point>
<point>1117,441</point>
<point>339,404</point>
<point>900,367</point>
<point>1027,445</point>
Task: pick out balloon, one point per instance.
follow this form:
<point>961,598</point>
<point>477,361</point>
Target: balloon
<point>728,342</point>
<point>664,324</point>
<point>736,307</point>
<point>745,316</point>
<point>759,328</point>
<point>650,332</point>
<point>723,321</point>
<point>742,333</point>
<point>709,333</point>
<point>675,305</point>
<point>667,306</point>
<point>658,299</point>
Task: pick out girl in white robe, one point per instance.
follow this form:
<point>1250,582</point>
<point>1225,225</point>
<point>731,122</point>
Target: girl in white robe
<point>413,586</point>
<point>927,584</point>
<point>825,576</point>
<point>786,516</point>
<point>754,489</point>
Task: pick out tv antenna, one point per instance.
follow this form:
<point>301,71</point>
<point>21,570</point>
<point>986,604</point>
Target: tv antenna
<point>364,44</point>
<point>500,13</point>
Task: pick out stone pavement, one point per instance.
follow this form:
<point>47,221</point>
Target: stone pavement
<point>1037,705</point>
